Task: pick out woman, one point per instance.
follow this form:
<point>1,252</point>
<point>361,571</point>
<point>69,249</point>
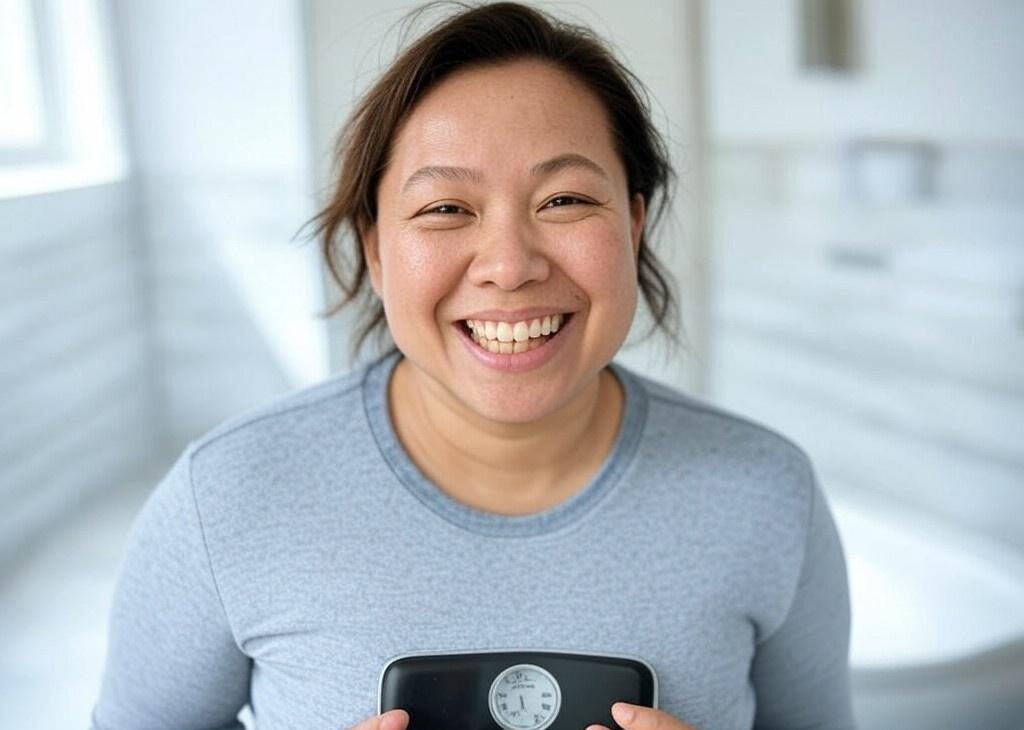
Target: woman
<point>494,481</point>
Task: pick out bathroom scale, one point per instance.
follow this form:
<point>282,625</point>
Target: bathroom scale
<point>514,689</point>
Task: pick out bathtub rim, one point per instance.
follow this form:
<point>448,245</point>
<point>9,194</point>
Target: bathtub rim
<point>1005,559</point>
<point>998,660</point>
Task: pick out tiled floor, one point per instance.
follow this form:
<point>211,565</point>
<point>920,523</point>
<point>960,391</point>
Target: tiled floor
<point>53,613</point>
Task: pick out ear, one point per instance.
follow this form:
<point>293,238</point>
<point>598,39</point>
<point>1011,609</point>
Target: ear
<point>371,252</point>
<point>637,216</point>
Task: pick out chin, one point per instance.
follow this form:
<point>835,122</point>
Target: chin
<point>509,409</point>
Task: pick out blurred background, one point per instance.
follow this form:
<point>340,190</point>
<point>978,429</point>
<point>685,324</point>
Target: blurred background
<point>847,240</point>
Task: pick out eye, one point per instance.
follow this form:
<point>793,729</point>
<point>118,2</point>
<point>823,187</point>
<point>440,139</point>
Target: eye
<point>563,200</point>
<point>445,209</point>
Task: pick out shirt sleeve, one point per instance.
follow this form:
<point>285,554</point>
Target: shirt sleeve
<point>801,672</point>
<point>172,661</point>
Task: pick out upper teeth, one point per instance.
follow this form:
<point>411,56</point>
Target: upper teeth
<point>516,331</point>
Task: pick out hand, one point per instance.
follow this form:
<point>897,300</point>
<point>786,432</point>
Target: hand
<point>390,720</point>
<point>638,717</point>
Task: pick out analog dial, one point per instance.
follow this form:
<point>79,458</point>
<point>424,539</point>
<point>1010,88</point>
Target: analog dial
<point>525,697</point>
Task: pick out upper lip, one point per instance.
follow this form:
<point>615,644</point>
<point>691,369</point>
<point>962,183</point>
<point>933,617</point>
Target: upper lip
<point>515,315</point>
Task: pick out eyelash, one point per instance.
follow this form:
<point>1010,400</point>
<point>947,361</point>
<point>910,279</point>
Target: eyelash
<point>568,197</point>
<point>436,209</point>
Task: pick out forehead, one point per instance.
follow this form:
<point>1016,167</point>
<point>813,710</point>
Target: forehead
<point>518,111</point>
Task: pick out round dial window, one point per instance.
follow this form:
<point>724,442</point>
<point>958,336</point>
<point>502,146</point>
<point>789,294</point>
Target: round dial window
<point>525,697</point>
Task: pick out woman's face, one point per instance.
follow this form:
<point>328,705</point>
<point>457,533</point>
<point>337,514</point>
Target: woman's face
<point>504,192</point>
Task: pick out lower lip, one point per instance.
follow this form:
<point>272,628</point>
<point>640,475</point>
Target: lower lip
<point>518,362</point>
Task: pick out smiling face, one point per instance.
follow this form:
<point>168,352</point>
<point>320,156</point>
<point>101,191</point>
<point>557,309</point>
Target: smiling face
<point>523,205</point>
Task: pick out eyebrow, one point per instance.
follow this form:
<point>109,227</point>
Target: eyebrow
<point>466,174</point>
<point>443,172</point>
<point>565,161</point>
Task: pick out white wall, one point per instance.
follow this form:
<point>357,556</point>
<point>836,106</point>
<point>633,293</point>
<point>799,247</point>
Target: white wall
<point>941,69</point>
<point>349,45</point>
<point>884,334</point>
<point>75,393</point>
<point>215,107</point>
<point>76,396</point>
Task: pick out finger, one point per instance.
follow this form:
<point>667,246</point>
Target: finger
<point>638,717</point>
<point>393,720</point>
<point>390,720</point>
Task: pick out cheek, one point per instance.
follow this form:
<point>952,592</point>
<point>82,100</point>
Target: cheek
<point>602,264</point>
<point>417,273</point>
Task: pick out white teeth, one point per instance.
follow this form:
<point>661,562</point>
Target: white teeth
<point>494,336</point>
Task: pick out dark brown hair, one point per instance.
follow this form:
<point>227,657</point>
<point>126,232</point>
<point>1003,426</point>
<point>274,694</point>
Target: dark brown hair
<point>479,35</point>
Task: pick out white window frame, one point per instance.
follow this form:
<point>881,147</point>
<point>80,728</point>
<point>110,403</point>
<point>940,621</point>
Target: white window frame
<point>74,151</point>
<point>51,148</point>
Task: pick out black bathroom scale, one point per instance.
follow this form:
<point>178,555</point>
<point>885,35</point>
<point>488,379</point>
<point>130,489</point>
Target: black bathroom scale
<point>514,689</point>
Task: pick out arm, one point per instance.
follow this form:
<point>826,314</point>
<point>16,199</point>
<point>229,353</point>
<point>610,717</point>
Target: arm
<point>172,661</point>
<point>801,672</point>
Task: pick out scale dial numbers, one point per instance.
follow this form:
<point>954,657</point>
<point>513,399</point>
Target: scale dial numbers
<point>525,697</point>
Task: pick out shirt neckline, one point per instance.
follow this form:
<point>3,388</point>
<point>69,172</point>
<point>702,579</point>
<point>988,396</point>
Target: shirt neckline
<point>375,402</point>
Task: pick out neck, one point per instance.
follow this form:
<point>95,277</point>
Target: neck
<point>505,463</point>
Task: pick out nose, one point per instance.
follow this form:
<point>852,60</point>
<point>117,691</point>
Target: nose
<point>509,256</point>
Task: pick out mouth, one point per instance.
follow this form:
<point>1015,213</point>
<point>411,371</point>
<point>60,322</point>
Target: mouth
<point>503,338</point>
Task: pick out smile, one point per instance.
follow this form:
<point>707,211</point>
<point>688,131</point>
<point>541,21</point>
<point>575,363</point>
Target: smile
<point>509,338</point>
<point>506,352</point>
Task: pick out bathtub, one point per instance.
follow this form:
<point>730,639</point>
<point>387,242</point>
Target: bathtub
<point>937,636</point>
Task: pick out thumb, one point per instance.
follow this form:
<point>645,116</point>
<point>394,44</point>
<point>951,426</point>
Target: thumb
<point>639,717</point>
<point>393,720</point>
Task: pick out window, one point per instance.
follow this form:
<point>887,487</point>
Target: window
<point>59,126</point>
<point>22,125</point>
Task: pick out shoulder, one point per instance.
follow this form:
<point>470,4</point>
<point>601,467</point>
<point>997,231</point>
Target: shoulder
<point>284,428</point>
<point>689,421</point>
<point>754,485</point>
<point>755,489</point>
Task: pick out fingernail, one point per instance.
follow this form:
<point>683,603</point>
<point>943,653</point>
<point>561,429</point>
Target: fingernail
<point>391,721</point>
<point>623,713</point>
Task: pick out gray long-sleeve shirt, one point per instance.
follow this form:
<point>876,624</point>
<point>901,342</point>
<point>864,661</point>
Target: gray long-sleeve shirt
<point>292,551</point>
